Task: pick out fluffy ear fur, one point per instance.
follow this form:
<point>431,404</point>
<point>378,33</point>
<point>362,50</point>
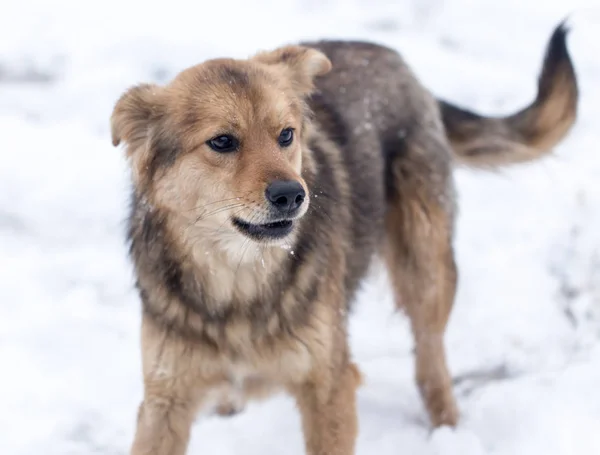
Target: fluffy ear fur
<point>134,113</point>
<point>301,63</point>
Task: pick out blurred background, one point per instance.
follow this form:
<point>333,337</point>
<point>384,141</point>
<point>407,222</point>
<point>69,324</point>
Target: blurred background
<point>524,338</point>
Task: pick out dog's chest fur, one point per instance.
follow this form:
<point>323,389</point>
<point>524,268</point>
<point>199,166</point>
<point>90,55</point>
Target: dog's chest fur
<point>225,305</point>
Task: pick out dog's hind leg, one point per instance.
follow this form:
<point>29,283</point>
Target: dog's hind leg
<point>420,259</point>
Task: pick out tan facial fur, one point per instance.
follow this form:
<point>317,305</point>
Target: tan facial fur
<point>253,101</point>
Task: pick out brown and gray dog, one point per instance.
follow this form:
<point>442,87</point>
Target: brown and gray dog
<point>263,189</point>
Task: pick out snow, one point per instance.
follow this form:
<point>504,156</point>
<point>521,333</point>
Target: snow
<point>524,338</point>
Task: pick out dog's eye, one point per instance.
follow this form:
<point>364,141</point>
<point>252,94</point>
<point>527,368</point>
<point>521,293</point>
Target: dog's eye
<point>223,144</point>
<point>286,137</point>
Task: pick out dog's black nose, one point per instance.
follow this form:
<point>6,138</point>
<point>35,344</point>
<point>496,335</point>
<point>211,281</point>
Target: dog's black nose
<point>285,195</point>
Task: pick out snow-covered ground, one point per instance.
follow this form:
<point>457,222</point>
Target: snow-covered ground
<point>524,339</point>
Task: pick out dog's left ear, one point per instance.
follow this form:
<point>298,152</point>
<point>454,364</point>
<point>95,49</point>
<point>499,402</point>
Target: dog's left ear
<point>301,63</point>
<point>136,111</point>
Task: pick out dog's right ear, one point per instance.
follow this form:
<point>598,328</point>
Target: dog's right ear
<point>302,64</point>
<point>135,113</point>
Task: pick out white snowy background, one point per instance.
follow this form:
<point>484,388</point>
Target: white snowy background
<point>524,338</point>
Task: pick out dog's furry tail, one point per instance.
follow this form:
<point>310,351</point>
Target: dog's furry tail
<point>489,142</point>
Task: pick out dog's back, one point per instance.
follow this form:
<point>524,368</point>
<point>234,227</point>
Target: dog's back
<point>378,102</point>
<point>377,112</point>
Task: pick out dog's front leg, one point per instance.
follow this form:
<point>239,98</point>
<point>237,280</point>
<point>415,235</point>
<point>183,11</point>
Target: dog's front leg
<point>164,420</point>
<point>174,390</point>
<point>327,403</point>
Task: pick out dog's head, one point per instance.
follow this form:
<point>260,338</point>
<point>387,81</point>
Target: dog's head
<point>221,145</point>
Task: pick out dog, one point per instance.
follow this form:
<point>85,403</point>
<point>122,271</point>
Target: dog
<point>263,188</point>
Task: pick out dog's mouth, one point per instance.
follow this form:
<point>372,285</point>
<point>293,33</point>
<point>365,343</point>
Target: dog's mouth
<point>274,230</point>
